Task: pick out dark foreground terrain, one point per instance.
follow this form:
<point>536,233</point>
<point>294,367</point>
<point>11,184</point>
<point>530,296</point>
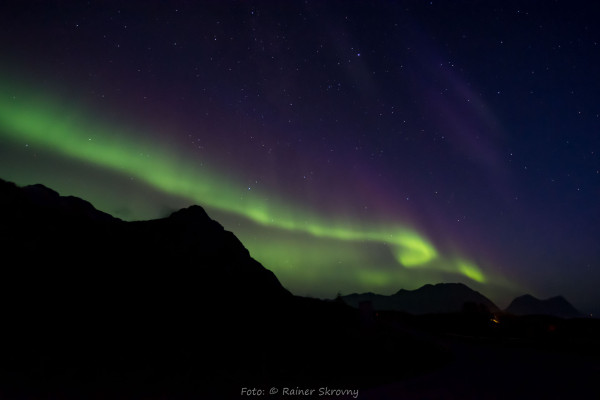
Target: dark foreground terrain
<point>95,307</point>
<point>171,308</point>
<point>507,357</point>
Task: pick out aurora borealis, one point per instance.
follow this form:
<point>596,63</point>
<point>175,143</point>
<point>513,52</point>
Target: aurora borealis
<point>66,133</point>
<point>351,146</point>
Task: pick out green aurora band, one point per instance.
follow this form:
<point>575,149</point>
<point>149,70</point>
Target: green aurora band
<point>28,117</point>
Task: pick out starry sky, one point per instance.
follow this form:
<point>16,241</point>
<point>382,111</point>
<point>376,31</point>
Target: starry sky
<point>351,145</point>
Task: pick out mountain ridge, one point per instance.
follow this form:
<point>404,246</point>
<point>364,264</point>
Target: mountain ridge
<point>428,299</point>
<point>556,306</point>
<point>457,297</point>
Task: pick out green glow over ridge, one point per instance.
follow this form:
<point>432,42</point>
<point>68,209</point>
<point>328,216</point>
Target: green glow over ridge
<point>30,118</point>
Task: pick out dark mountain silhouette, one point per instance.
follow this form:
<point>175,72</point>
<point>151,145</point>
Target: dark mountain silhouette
<point>556,306</point>
<point>71,206</point>
<point>175,307</point>
<point>428,299</point>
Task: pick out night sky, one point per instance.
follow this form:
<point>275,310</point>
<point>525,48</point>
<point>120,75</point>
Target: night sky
<point>352,146</point>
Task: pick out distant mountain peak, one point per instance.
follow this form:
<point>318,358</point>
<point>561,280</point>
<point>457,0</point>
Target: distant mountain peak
<point>556,306</point>
<point>438,298</point>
